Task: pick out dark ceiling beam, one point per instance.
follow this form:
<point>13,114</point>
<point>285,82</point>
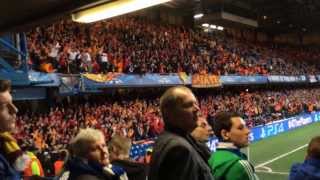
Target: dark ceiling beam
<point>26,16</point>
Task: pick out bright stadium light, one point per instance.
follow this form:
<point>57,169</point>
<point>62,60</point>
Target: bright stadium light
<point>220,28</point>
<point>212,26</point>
<point>205,25</point>
<point>198,16</point>
<point>113,9</point>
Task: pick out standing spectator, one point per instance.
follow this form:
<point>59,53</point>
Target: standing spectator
<point>104,62</point>
<point>310,168</point>
<point>175,155</point>
<point>58,164</point>
<point>119,148</point>
<point>228,162</point>
<point>203,131</point>
<point>9,149</point>
<point>72,64</point>
<point>54,53</point>
<point>202,134</point>
<point>86,61</point>
<point>89,158</point>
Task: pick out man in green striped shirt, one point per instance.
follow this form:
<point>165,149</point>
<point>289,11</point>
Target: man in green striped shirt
<point>228,163</point>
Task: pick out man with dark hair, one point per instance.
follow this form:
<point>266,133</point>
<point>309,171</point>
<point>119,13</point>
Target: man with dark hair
<point>203,131</point>
<point>201,134</point>
<point>310,168</point>
<point>9,149</point>
<point>228,163</point>
<point>176,155</point>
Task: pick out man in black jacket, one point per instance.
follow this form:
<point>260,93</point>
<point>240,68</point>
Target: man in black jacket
<point>176,155</point>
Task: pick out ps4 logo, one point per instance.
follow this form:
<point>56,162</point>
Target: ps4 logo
<point>317,117</point>
<point>212,144</point>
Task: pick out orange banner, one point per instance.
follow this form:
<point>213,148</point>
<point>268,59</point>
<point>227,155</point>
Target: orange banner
<point>102,77</point>
<point>205,81</point>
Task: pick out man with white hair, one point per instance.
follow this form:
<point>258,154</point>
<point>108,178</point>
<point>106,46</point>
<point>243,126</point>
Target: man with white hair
<point>89,158</point>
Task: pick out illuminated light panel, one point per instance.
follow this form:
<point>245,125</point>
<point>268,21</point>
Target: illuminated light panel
<point>113,9</point>
<point>198,16</point>
<point>205,25</point>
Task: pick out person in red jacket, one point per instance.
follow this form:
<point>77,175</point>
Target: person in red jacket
<point>58,164</point>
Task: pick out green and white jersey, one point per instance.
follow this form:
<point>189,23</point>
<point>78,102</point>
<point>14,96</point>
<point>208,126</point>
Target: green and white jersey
<point>228,163</point>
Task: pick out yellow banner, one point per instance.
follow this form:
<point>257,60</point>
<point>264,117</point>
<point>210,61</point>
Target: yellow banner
<point>102,77</point>
<point>205,81</point>
<point>183,77</point>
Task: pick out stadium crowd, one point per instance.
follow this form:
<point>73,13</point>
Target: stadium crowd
<point>85,129</point>
<point>136,45</point>
<point>140,118</point>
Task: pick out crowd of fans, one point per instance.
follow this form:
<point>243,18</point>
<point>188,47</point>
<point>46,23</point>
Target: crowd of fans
<point>140,118</point>
<point>136,119</point>
<point>83,130</point>
<point>136,45</point>
<point>261,107</point>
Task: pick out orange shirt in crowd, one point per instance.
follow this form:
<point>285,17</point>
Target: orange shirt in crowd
<point>58,165</point>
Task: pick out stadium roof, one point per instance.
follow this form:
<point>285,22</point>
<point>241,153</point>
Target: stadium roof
<point>16,15</point>
<point>286,15</point>
<point>273,16</point>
